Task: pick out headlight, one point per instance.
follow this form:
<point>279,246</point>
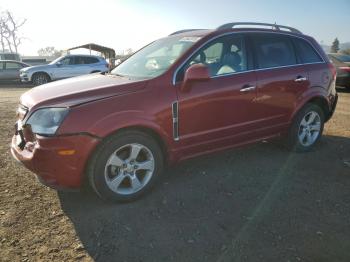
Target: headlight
<point>47,120</point>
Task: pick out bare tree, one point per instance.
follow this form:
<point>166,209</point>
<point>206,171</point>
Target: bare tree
<point>49,51</point>
<point>9,31</point>
<point>2,33</point>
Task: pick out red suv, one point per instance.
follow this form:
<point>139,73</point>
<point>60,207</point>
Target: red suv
<point>188,94</point>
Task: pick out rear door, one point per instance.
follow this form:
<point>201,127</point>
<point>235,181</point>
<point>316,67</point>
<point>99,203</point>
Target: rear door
<point>81,66</point>
<point>11,70</point>
<point>2,72</point>
<point>281,79</point>
<point>318,71</point>
<point>93,64</point>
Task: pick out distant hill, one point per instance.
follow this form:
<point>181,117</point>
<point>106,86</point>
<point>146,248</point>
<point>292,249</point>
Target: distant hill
<point>343,46</point>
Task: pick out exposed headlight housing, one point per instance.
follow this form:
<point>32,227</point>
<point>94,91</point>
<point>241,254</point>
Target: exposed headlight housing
<point>46,121</point>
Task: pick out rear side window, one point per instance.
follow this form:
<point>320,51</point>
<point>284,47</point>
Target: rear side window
<point>273,50</point>
<point>306,52</point>
<point>90,60</point>
<point>11,65</point>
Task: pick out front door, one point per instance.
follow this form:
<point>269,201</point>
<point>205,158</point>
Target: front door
<point>220,111</point>
<point>64,68</point>
<point>11,70</point>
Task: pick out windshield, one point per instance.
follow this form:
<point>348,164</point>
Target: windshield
<point>156,58</point>
<point>56,60</point>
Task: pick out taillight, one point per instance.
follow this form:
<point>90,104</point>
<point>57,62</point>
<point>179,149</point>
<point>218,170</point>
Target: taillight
<point>333,70</point>
<point>345,68</point>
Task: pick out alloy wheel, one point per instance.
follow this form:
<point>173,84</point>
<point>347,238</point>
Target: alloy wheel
<point>309,128</point>
<point>129,169</point>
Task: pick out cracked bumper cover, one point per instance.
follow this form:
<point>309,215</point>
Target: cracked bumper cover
<point>52,168</point>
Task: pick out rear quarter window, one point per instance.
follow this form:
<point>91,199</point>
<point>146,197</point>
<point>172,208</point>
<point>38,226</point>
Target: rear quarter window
<point>273,50</point>
<point>306,53</point>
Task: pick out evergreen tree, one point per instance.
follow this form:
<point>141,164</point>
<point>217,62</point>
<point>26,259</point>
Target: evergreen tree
<point>335,46</point>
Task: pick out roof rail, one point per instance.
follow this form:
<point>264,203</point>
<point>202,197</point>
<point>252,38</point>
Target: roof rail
<point>184,31</point>
<point>274,26</point>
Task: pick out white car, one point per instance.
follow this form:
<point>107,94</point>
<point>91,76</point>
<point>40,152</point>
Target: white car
<point>64,67</point>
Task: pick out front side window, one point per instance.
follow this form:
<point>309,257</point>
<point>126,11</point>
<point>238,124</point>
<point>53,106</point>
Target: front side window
<point>69,60</point>
<point>90,60</point>
<point>225,55</point>
<point>156,58</point>
<point>273,50</point>
<point>306,52</point>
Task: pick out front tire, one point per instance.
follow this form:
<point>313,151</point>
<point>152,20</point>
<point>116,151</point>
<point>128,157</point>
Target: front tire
<point>306,128</point>
<point>40,79</point>
<point>125,166</point>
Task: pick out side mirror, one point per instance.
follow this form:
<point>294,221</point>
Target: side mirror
<point>197,72</point>
<point>58,64</point>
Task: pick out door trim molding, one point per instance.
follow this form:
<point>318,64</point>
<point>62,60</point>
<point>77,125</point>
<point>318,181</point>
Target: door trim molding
<point>175,115</point>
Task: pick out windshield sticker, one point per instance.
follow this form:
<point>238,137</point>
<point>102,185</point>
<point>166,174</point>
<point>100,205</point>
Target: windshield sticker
<point>190,39</point>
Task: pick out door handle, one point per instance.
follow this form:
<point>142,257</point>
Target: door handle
<point>300,79</point>
<point>247,88</point>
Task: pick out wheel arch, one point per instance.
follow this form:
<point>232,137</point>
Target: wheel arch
<point>140,128</point>
<point>323,104</point>
<point>41,72</point>
<point>149,131</point>
<point>318,98</point>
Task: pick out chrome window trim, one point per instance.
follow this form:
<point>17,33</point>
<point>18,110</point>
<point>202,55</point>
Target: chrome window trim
<point>259,69</point>
<point>263,69</point>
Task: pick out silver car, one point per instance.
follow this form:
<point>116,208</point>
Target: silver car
<point>9,70</point>
<point>64,67</point>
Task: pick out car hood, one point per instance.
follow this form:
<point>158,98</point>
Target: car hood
<point>79,90</point>
<point>37,68</point>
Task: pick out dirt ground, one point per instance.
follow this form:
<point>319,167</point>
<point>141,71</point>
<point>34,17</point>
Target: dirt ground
<point>257,203</point>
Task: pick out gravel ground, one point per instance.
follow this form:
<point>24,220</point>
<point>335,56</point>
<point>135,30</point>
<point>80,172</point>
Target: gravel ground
<point>257,203</point>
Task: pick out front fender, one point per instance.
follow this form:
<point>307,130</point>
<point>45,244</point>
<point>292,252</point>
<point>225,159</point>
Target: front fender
<point>126,119</point>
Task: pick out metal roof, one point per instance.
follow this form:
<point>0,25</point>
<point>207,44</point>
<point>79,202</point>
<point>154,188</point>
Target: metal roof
<point>107,51</point>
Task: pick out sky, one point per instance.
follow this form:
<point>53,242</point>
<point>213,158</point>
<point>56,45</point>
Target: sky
<point>123,24</point>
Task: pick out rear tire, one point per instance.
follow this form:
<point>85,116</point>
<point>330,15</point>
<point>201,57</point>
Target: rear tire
<point>125,166</point>
<point>40,79</point>
<point>306,129</point>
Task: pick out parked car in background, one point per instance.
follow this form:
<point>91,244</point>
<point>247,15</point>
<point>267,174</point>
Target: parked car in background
<point>64,67</point>
<point>191,93</point>
<point>10,56</point>
<point>342,64</point>
<point>9,70</point>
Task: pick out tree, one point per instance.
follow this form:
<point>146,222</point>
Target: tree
<point>335,46</point>
<point>128,52</point>
<point>49,51</point>
<point>9,31</point>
